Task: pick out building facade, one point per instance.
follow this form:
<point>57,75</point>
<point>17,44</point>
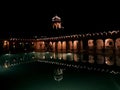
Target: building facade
<point>100,41</point>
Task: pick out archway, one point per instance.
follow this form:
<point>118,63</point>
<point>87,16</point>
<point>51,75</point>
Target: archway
<point>64,45</point>
<point>117,43</point>
<point>99,44</point>
<point>90,44</point>
<point>109,43</point>
<point>75,45</point>
<point>70,45</point>
<point>59,46</point>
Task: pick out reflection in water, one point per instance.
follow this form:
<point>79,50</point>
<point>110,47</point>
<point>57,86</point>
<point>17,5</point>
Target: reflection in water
<point>118,60</point>
<point>8,60</point>
<point>75,57</point>
<point>31,71</point>
<point>6,65</point>
<point>58,74</point>
<point>100,59</point>
<point>69,56</point>
<point>91,59</point>
<point>64,56</point>
<point>109,60</point>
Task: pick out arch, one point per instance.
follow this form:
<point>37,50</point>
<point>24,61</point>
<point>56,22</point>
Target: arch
<point>57,25</point>
<point>54,45</point>
<point>6,44</point>
<point>75,44</point>
<point>38,45</point>
<point>70,45</point>
<point>42,43</point>
<point>50,43</point>
<point>59,45</point>
<point>99,44</point>
<point>90,43</point>
<point>64,45</point>
<point>109,43</point>
<point>81,45</point>
<point>50,46</point>
<point>117,43</point>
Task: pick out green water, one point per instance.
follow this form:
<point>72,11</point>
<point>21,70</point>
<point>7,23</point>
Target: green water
<point>27,73</point>
<point>40,76</point>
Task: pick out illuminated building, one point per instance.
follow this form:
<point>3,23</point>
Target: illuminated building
<point>56,22</point>
<point>99,41</point>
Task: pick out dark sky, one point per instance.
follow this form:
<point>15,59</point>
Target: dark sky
<point>29,18</point>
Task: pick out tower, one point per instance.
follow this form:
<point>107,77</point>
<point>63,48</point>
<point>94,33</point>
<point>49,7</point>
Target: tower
<point>56,22</point>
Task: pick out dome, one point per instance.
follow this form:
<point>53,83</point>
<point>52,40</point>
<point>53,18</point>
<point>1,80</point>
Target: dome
<point>56,18</point>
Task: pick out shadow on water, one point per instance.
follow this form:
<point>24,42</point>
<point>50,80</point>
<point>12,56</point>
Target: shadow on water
<point>59,71</point>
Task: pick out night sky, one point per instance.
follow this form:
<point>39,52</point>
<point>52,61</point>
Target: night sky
<point>29,19</point>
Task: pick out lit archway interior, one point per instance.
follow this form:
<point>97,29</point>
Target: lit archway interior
<point>70,45</point>
<point>38,45</point>
<point>59,45</point>
<point>91,44</point>
<point>81,45</point>
<point>64,45</point>
<point>42,45</point>
<point>99,44</point>
<point>109,43</point>
<point>75,44</point>
<point>6,43</point>
<point>53,45</point>
<point>117,43</point>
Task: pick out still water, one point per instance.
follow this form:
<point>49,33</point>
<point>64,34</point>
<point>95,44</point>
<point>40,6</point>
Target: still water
<point>59,71</point>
